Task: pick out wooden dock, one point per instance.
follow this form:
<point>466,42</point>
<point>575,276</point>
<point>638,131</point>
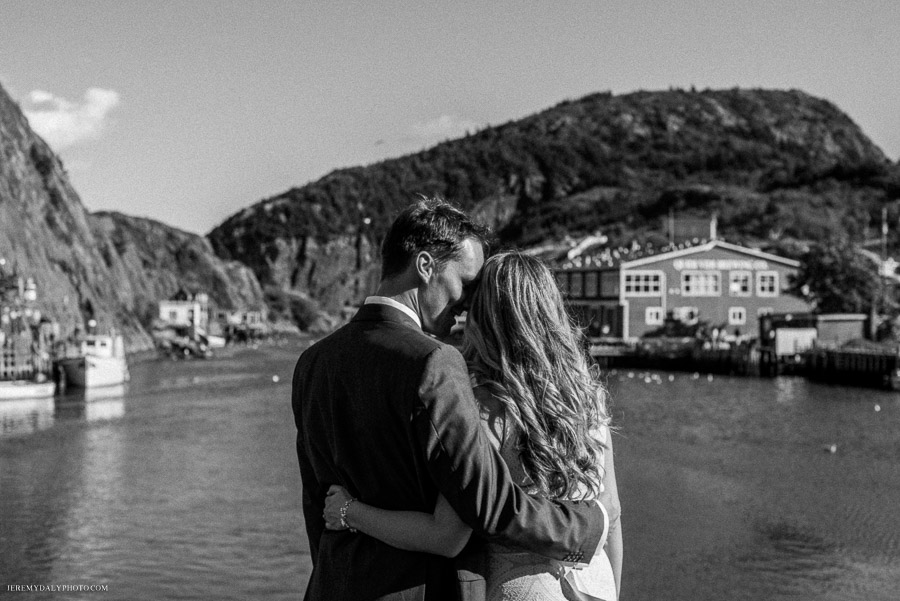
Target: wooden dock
<point>740,360</point>
<point>853,367</point>
<point>848,367</point>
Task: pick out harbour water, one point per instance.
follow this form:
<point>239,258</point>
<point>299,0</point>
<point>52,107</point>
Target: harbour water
<point>185,485</point>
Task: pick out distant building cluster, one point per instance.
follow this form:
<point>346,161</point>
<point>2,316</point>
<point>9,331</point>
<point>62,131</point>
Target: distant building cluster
<point>196,316</point>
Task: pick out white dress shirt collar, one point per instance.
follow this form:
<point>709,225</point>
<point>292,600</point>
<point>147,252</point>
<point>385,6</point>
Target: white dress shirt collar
<point>383,300</point>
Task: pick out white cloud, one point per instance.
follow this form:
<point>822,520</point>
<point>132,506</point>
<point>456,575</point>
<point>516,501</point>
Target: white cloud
<point>444,127</point>
<point>38,96</point>
<point>63,123</point>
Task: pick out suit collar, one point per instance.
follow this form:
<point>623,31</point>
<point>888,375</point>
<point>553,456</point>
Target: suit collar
<point>390,302</point>
<point>378,312</point>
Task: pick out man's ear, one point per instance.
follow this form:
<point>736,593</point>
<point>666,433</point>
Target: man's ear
<point>425,266</point>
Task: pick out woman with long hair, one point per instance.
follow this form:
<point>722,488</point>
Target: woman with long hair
<point>544,408</point>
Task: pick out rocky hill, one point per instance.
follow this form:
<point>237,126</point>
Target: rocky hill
<point>777,167</point>
<point>106,267</point>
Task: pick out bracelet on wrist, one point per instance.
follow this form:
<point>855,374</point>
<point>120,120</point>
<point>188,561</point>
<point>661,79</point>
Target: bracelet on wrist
<point>344,509</point>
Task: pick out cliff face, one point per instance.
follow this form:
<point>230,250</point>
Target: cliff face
<point>106,267</point>
<point>47,235</point>
<point>158,260</point>
<point>771,164</point>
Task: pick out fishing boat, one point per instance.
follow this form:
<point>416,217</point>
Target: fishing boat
<point>25,389</point>
<point>100,362</point>
<point>25,335</point>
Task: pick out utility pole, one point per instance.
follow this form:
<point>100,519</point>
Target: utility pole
<point>881,273</point>
<point>671,225</point>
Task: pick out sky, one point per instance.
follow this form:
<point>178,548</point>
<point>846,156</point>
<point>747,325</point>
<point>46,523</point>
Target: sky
<point>187,112</point>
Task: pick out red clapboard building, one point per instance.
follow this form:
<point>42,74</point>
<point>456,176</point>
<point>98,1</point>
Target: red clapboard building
<point>630,293</point>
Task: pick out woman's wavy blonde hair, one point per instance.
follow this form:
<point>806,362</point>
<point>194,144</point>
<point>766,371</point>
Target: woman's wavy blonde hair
<point>521,343</point>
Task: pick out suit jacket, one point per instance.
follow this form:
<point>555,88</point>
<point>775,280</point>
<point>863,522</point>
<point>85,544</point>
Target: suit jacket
<point>388,412</point>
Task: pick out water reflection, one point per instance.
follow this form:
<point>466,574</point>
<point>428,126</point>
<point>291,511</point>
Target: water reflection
<point>788,390</point>
<point>26,416</point>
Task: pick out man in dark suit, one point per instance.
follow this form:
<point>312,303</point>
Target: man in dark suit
<point>387,411</point>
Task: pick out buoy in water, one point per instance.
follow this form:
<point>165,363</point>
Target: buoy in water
<point>877,408</point>
<point>275,379</point>
<point>831,448</point>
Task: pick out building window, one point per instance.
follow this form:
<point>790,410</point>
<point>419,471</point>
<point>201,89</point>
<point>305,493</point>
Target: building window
<point>609,283</point>
<point>654,316</point>
<point>737,316</point>
<point>764,311</point>
<point>739,283</point>
<point>701,283</point>
<point>562,280</point>
<point>767,283</point>
<point>686,314</point>
<point>590,284</point>
<point>643,283</point>
<point>575,284</point>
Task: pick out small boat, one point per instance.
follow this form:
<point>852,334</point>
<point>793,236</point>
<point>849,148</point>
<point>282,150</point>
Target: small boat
<point>101,362</point>
<point>25,389</point>
<point>215,341</point>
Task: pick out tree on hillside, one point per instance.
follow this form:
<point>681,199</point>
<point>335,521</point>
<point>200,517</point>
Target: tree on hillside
<point>837,278</point>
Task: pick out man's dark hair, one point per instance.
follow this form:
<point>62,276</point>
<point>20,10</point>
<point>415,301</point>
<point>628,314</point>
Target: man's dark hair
<point>431,225</point>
